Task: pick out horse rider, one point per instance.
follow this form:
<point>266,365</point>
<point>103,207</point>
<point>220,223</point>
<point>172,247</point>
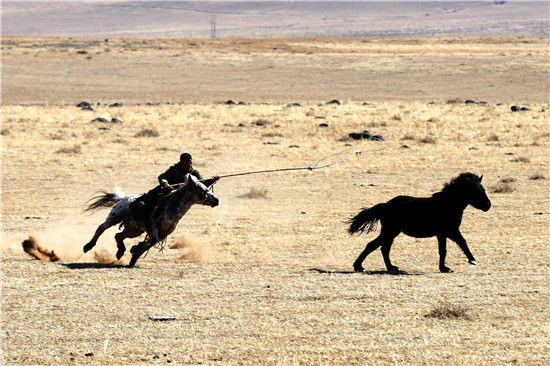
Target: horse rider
<point>176,174</point>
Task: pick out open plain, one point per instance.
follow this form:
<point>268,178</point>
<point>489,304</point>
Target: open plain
<point>266,277</point>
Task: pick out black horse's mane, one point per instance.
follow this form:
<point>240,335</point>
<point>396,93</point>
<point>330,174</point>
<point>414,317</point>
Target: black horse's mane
<point>459,181</point>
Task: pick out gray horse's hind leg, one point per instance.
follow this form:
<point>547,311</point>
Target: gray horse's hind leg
<point>115,217</point>
<point>97,234</point>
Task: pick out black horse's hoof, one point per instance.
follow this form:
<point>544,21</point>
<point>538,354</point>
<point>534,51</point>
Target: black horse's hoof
<point>472,262</point>
<point>87,248</point>
<point>359,269</point>
<point>445,270</point>
<point>393,269</point>
<point>120,253</point>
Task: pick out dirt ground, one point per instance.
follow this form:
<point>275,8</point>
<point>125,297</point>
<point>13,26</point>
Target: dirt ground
<point>266,277</point>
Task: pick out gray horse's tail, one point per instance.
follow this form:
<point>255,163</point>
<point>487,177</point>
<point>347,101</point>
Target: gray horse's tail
<point>366,219</point>
<point>103,200</point>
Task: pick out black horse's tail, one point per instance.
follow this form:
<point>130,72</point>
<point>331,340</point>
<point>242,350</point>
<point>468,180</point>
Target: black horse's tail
<point>366,219</point>
<point>103,200</point>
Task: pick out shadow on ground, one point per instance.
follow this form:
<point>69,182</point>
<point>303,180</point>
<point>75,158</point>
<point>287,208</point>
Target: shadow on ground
<point>392,273</point>
<point>93,265</point>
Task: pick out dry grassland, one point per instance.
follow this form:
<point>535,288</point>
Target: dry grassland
<point>265,278</point>
<point>62,70</point>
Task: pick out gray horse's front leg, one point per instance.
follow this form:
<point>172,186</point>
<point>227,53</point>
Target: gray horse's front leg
<point>442,241</point>
<point>138,250</point>
<point>459,239</point>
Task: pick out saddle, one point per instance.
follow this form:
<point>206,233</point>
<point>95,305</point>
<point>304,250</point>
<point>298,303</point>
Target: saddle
<point>142,208</point>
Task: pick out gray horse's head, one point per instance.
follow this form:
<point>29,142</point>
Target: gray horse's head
<point>201,194</point>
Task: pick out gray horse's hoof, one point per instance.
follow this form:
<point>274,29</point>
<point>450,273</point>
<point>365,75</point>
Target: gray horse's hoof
<point>472,262</point>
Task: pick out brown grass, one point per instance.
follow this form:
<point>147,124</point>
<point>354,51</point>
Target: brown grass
<point>505,185</point>
<point>449,311</point>
<point>72,150</point>
<point>429,140</point>
<point>521,159</point>
<point>148,132</point>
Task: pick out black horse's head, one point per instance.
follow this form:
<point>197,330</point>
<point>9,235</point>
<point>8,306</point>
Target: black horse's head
<point>200,193</point>
<point>470,187</point>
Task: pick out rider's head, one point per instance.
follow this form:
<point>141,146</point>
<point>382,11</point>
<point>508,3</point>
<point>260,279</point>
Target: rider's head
<point>186,161</point>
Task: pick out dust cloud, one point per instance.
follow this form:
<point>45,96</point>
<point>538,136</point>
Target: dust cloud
<point>62,241</point>
<point>191,249</point>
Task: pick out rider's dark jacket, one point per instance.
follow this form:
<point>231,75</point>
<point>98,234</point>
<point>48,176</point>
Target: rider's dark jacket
<point>177,174</point>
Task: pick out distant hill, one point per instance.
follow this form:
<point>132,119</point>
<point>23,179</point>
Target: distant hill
<point>187,19</point>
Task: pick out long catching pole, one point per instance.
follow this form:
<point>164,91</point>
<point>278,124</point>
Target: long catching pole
<point>312,167</point>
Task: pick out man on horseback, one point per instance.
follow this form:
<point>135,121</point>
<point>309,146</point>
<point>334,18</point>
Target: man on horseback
<point>176,174</point>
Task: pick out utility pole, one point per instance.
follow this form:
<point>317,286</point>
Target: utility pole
<point>213,26</point>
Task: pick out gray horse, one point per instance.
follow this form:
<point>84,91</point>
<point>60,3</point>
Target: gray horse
<point>158,224</point>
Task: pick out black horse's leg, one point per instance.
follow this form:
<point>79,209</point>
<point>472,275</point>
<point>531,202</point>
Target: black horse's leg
<point>459,239</point>
<point>442,241</point>
<point>101,228</point>
<point>138,250</point>
<point>386,247</point>
<point>371,247</point>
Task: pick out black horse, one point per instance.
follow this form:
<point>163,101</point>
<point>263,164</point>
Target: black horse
<point>439,215</point>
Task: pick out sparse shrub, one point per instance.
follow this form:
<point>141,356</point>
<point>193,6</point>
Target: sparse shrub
<point>396,117</point>
<point>76,149</point>
<point>537,176</point>
<point>58,136</point>
<point>82,52</point>
<point>504,186</point>
<point>432,119</point>
<point>5,132</point>
<point>255,193</point>
<point>493,138</point>
<point>147,132</point>
<point>428,140</point>
<point>409,137</point>
<point>449,311</point>
<point>455,101</point>
<point>521,159</point>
